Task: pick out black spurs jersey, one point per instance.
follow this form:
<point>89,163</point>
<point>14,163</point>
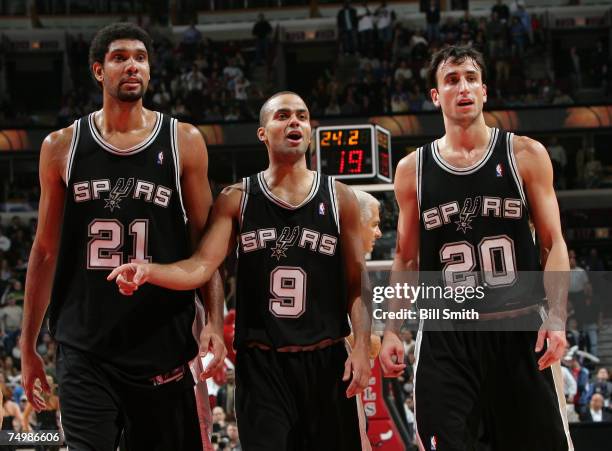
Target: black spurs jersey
<point>291,284</point>
<point>474,226</point>
<point>122,206</point>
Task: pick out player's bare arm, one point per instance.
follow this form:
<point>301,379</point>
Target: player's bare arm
<point>197,199</point>
<point>405,260</point>
<point>536,171</point>
<point>191,273</point>
<point>358,362</point>
<point>43,258</point>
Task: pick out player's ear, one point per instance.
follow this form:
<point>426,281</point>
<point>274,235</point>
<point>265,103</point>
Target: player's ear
<point>98,71</point>
<point>261,134</point>
<point>484,93</point>
<point>434,97</point>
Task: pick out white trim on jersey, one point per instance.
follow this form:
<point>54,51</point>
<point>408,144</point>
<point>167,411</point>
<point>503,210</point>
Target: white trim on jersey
<point>132,150</point>
<point>246,185</point>
<point>417,352</point>
<point>516,175</point>
<point>555,369</point>
<point>435,151</point>
<point>177,163</point>
<point>280,202</point>
<point>72,150</point>
<point>419,175</point>
<point>334,200</point>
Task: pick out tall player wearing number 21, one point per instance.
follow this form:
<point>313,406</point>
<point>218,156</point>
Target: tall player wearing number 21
<point>121,184</point>
<point>466,201</point>
<point>300,261</point>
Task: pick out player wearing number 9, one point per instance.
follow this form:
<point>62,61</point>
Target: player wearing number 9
<point>465,202</point>
<point>121,184</point>
<point>300,261</point>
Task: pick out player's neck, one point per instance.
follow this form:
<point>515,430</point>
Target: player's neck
<point>286,173</point>
<point>459,137</point>
<point>117,116</point>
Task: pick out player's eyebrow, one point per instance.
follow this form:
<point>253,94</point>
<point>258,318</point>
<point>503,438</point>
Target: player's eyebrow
<point>453,73</point>
<point>289,110</point>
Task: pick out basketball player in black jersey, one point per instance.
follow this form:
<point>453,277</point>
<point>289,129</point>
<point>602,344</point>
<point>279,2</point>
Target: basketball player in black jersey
<point>121,184</point>
<point>299,273</point>
<point>465,202</point>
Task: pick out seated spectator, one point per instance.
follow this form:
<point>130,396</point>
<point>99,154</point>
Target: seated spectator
<point>218,418</point>
<point>232,435</point>
<point>12,419</point>
<point>601,385</point>
<point>10,322</point>
<point>403,72</point>
<point>595,413</point>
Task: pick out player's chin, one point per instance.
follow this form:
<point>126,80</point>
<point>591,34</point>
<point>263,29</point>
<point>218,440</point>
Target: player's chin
<point>130,96</point>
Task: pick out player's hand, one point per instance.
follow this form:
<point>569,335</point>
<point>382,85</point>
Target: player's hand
<point>357,364</point>
<point>553,334</point>
<point>392,355</point>
<point>34,379</point>
<point>129,277</point>
<point>211,340</point>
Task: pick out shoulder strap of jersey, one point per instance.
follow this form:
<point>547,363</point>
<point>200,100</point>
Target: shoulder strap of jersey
<point>76,132</point>
<point>514,167</point>
<point>333,198</point>
<point>176,157</point>
<point>246,189</point>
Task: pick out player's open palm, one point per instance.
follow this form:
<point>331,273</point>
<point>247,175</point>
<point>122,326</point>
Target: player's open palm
<point>129,277</point>
<point>357,364</point>
<point>34,379</point>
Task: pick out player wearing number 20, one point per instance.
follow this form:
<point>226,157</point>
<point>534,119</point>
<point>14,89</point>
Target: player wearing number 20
<point>465,204</point>
<point>131,185</point>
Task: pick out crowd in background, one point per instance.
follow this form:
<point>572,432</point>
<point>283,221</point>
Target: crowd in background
<point>391,59</point>
<point>381,68</point>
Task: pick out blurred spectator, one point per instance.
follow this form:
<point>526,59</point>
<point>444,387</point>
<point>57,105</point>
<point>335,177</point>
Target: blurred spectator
<point>227,394</point>
<point>12,419</point>
<point>347,27</point>
<point>570,387</point>
<point>524,18</point>
<point>581,376</point>
<point>502,10</point>
<point>10,322</point>
<point>432,17</point>
<point>218,418</point>
<point>561,98</point>
<point>232,435</point>
<point>410,419</point>
<point>575,67</point>
<point>190,41</point>
<point>593,262</point>
<point>587,309</point>
<point>518,34</point>
<point>595,413</point>
<point>261,30</point>
<point>5,242</point>
<point>365,29</point>
<point>14,292</point>
<point>601,385</point>
<point>574,336</point>
<point>385,20</point>
<point>558,156</point>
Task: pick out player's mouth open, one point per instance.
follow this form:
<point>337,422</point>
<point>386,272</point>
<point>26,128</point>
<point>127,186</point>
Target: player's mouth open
<point>294,136</point>
<point>465,102</point>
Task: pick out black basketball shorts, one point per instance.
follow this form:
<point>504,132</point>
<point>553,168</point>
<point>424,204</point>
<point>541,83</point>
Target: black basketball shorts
<point>98,405</point>
<point>295,401</point>
<point>485,386</point>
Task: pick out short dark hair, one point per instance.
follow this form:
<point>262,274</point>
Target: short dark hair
<point>455,54</point>
<point>113,32</point>
<point>264,108</point>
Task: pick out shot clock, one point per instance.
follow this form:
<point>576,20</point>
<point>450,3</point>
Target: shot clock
<point>354,152</point>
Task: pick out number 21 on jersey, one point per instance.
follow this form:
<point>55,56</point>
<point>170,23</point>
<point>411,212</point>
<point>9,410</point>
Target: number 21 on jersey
<point>104,250</point>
